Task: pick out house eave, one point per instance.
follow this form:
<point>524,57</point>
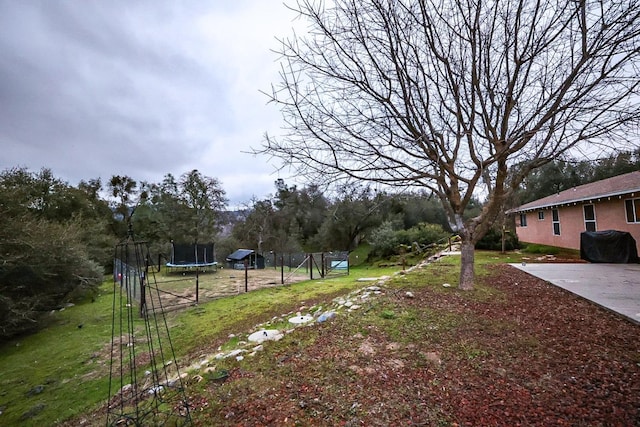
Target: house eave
<point>590,199</point>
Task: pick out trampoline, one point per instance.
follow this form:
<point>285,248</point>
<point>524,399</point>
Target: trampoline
<point>197,257</point>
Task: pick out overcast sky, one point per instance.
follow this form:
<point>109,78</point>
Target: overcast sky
<point>92,88</point>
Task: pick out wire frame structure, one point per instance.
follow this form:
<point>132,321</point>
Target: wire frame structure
<point>145,384</point>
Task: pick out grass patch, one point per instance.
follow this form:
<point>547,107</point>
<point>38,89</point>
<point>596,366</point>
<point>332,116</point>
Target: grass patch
<point>42,373</point>
<point>358,257</point>
<point>540,249</point>
<point>536,249</point>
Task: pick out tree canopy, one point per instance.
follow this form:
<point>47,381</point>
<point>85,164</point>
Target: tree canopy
<point>44,246</point>
<point>462,98</point>
<point>57,240</point>
<point>561,175</point>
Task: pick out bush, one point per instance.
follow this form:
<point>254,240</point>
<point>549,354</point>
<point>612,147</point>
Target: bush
<point>44,265</point>
<point>493,241</point>
<point>386,241</point>
<point>423,234</point>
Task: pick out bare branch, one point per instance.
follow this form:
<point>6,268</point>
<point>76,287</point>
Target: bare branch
<point>451,96</point>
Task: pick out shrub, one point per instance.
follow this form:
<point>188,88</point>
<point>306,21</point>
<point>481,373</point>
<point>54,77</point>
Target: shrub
<point>424,234</point>
<point>44,265</point>
<point>384,240</point>
<point>387,241</point>
<point>493,241</point>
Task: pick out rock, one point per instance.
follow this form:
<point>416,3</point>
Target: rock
<point>35,410</point>
<point>299,319</point>
<point>234,353</point>
<point>366,348</point>
<point>357,369</point>
<point>265,335</point>
<point>409,294</point>
<point>326,316</point>
<point>155,390</point>
<point>35,390</point>
<point>432,357</point>
<point>395,363</point>
<point>446,285</point>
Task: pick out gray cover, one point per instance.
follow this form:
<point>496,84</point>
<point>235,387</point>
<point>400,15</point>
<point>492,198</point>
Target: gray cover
<point>610,246</point>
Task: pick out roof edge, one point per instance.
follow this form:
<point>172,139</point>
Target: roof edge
<point>578,200</point>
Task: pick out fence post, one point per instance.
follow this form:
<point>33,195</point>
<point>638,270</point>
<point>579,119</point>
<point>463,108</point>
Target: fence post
<point>246,276</point>
<point>311,266</point>
<point>348,264</point>
<point>281,270</point>
<point>322,272</point>
<point>197,284</point>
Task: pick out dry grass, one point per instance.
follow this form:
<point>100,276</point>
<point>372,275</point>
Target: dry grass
<point>179,289</point>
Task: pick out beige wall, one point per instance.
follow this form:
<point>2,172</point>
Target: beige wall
<point>610,215</point>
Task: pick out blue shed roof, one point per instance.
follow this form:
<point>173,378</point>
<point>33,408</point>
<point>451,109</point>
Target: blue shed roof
<point>240,254</point>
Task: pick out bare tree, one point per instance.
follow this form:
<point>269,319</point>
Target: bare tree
<point>452,95</point>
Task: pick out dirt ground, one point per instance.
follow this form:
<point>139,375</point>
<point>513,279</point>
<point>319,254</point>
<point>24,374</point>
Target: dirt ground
<point>531,354</point>
<point>534,356</point>
<point>179,288</point>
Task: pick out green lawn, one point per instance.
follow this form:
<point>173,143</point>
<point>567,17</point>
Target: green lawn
<point>62,371</point>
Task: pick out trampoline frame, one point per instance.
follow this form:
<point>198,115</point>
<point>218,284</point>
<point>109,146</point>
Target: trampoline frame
<point>199,253</point>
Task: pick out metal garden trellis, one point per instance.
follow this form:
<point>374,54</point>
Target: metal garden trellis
<point>145,385</point>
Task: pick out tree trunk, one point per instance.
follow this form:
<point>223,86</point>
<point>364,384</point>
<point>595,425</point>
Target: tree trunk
<point>467,270</point>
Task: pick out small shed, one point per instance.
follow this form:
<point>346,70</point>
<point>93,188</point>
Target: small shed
<point>237,259</point>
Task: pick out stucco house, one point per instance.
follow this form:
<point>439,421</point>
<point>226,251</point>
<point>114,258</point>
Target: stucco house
<point>558,220</point>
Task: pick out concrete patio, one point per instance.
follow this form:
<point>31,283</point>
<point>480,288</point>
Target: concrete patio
<point>613,286</point>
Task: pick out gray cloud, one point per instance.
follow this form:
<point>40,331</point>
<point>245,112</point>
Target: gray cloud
<point>93,89</point>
